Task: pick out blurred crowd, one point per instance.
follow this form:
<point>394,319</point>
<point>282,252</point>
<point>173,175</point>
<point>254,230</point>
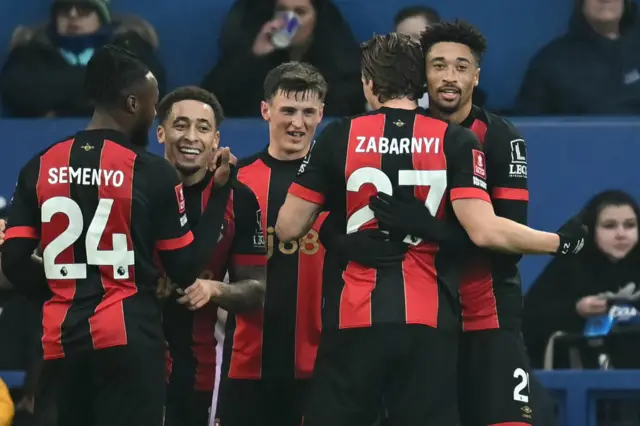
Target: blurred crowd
<point>593,69</point>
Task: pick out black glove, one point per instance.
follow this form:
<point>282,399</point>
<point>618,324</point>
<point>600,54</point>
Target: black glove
<point>370,247</point>
<point>573,235</point>
<point>413,218</point>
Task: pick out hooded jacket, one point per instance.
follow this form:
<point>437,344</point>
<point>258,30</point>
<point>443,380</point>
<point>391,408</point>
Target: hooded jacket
<point>585,73</point>
<point>550,304</point>
<point>237,79</point>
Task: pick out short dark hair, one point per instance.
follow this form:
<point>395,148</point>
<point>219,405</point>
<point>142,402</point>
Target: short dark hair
<point>455,32</point>
<point>430,14</point>
<point>294,77</point>
<point>110,74</point>
<point>190,93</point>
<point>396,66</point>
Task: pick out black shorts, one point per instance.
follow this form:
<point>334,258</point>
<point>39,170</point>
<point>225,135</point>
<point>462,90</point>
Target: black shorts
<point>187,407</point>
<point>493,378</point>
<point>263,402</point>
<point>412,368</point>
<point>122,386</point>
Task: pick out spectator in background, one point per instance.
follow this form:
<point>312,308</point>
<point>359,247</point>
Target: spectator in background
<point>247,54</point>
<point>570,289</point>
<point>44,73</point>
<point>412,21</point>
<point>593,69</point>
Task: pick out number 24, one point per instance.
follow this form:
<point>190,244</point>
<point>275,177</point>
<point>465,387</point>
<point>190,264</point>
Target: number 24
<point>120,258</point>
<point>435,179</point>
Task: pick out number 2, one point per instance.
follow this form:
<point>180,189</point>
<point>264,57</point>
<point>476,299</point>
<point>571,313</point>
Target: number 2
<point>435,179</point>
<point>120,258</point>
<point>519,373</point>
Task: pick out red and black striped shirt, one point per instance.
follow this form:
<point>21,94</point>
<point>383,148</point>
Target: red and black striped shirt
<point>282,339</point>
<point>403,153</point>
<point>491,292</point>
<point>191,334</point>
<point>101,206</point>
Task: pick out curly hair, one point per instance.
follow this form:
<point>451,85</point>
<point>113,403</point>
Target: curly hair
<point>455,32</point>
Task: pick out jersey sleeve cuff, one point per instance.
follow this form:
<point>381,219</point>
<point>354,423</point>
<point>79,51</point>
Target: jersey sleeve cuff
<point>249,260</point>
<point>464,193</point>
<point>306,194</point>
<point>21,232</point>
<point>175,243</point>
<point>515,194</point>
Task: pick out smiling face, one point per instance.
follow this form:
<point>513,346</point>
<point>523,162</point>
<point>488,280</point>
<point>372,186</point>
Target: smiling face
<point>452,74</point>
<point>189,134</point>
<point>293,118</point>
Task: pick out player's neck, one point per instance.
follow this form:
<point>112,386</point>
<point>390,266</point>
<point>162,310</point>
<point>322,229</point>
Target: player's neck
<point>403,103</point>
<point>455,117</point>
<point>282,155</point>
<point>194,178</point>
<point>102,120</point>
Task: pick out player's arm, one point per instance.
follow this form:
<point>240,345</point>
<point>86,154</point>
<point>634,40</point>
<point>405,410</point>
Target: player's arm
<point>472,206</point>
<point>22,237</point>
<point>248,270</point>
<point>182,251</point>
<point>506,154</point>
<point>308,193</point>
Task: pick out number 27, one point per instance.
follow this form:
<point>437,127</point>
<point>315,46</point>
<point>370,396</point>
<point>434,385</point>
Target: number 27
<point>435,179</point>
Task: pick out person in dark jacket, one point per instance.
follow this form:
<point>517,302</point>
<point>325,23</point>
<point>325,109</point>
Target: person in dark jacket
<point>247,54</point>
<point>594,69</point>
<point>571,290</point>
<point>44,73</point>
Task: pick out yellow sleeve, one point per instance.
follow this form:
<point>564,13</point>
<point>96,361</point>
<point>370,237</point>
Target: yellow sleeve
<point>7,410</point>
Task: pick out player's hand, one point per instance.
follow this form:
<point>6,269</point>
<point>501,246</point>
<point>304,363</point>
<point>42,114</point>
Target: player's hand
<point>590,306</point>
<point>220,165</point>
<point>200,293</point>
<point>573,235</point>
<point>370,247</point>
<point>409,217</point>
<point>3,226</point>
<point>262,45</point>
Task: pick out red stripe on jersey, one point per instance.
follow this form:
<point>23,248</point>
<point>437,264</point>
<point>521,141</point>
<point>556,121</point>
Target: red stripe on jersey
<point>418,266</point>
<point>514,194</point>
<point>309,299</point>
<point>306,194</point>
<point>359,281</point>
<point>477,297</point>
<point>22,232</point>
<point>203,339</point>
<point>174,243</point>
<point>55,309</point>
<point>246,352</point>
<point>479,127</point>
<point>249,260</point>
<point>107,324</point>
<point>465,193</point>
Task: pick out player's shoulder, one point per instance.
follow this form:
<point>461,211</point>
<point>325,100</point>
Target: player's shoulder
<point>242,193</point>
<point>247,161</point>
<point>499,128</point>
<point>157,168</point>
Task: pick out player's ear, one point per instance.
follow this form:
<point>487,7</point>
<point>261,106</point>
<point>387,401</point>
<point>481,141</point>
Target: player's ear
<point>131,104</point>
<point>160,134</point>
<point>476,80</point>
<point>264,110</point>
<point>216,140</point>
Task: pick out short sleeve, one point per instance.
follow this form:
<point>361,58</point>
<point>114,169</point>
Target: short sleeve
<point>171,226</point>
<point>24,212</point>
<point>314,176</point>
<point>466,164</point>
<point>507,164</point>
<point>249,248</point>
